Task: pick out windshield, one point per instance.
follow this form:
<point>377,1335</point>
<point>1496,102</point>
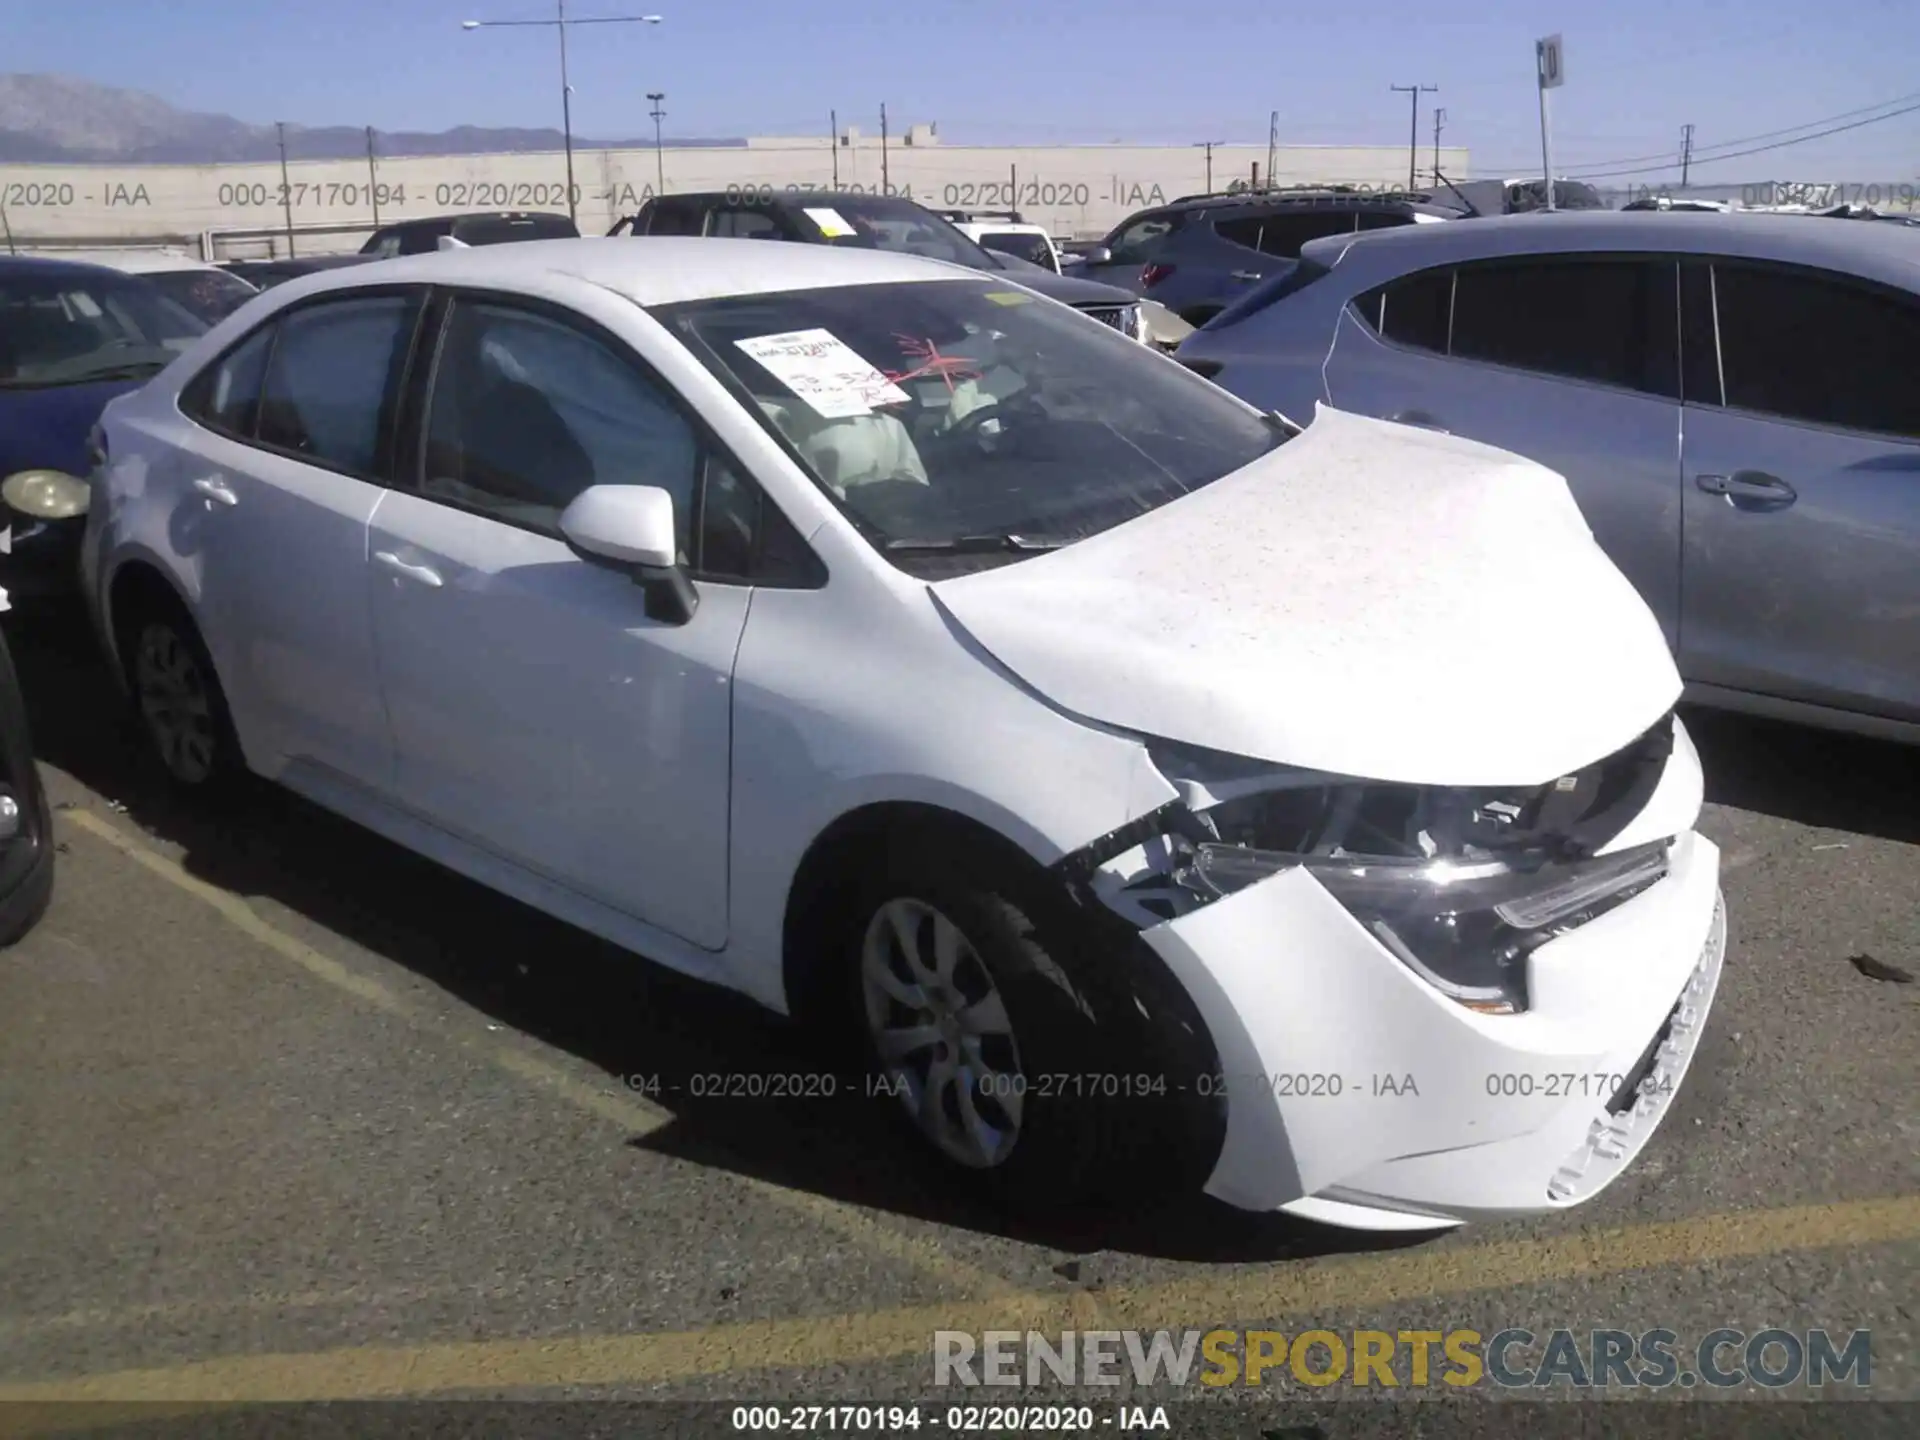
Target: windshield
<point>67,329</point>
<point>885,222</point>
<point>211,295</point>
<point>1567,195</point>
<point>956,416</point>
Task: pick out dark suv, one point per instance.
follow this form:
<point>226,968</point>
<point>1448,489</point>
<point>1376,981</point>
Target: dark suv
<point>498,227</point>
<point>874,222</point>
<point>1200,253</point>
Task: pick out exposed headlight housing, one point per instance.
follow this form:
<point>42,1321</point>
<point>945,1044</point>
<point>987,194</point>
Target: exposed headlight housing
<point>46,494</point>
<point>1460,884</point>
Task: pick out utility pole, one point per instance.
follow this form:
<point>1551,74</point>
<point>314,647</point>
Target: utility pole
<point>373,179</point>
<point>659,160</point>
<point>886,186</point>
<point>1414,92</point>
<point>1439,116</point>
<point>1207,145</point>
<point>1273,144</point>
<point>1686,153</point>
<point>833,141</point>
<point>286,186</point>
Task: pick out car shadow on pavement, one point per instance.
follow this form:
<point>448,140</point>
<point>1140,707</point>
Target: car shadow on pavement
<point>673,1040</point>
<point>1812,777</point>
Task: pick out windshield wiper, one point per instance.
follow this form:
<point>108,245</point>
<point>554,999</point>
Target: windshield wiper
<point>975,545</point>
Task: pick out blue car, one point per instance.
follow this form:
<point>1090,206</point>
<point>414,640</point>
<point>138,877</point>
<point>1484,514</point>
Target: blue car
<point>71,338</point>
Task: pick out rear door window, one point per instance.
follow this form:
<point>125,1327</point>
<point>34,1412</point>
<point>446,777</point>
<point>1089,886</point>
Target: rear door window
<point>1285,233</point>
<point>1806,345</point>
<point>1244,231</point>
<point>1416,311</point>
<point>1613,321</point>
<point>328,395</point>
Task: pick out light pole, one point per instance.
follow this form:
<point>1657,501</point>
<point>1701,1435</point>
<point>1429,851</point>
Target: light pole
<point>659,162</point>
<point>560,22</point>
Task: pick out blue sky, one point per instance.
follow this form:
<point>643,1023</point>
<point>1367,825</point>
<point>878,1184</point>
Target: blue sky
<point>1059,71</point>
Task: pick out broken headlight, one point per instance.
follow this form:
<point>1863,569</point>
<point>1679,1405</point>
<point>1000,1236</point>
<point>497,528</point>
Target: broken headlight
<point>1459,884</point>
<point>1465,928</point>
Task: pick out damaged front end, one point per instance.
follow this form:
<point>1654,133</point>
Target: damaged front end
<point>1459,884</point>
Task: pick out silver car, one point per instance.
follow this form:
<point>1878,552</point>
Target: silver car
<point>1734,399</point>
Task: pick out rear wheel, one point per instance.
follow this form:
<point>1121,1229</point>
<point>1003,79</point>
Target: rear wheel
<point>182,707</point>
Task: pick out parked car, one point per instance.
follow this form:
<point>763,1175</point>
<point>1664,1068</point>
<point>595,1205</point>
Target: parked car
<point>26,820</point>
<point>878,640</point>
<point>1004,232</point>
<point>1485,198</point>
<point>1730,397</point>
<point>870,222</point>
<point>207,290</point>
<point>491,227</point>
<point>72,337</point>
<point>267,273</point>
<point>1199,254</point>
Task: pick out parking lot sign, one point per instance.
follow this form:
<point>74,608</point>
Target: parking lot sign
<point>1548,51</point>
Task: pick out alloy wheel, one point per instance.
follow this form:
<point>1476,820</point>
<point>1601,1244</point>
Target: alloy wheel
<point>176,701</point>
<point>942,1032</point>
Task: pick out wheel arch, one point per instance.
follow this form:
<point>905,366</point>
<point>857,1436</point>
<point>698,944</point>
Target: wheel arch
<point>137,582</point>
<point>868,828</point>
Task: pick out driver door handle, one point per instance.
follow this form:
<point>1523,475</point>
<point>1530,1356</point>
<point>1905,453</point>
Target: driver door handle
<point>422,574</point>
<point>216,489</point>
<point>1246,275</point>
<point>1749,489</point>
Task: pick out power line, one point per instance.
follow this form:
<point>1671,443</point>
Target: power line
<point>1663,160</point>
<point>1759,149</point>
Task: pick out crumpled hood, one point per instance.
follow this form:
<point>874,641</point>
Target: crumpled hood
<point>1370,599</point>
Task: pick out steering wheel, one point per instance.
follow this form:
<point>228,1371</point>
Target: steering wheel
<point>972,426</point>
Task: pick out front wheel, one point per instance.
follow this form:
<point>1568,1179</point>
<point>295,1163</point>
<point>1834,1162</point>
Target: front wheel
<point>1037,1063</point>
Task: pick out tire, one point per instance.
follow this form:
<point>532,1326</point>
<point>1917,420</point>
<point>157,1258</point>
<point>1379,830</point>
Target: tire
<point>26,872</point>
<point>179,701</point>
<point>1069,1091</point>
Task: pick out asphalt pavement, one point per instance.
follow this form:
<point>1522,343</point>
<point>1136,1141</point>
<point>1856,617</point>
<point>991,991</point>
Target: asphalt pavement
<point>287,1113</point>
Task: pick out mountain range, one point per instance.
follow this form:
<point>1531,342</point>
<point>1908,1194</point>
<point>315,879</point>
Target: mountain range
<point>54,119</point>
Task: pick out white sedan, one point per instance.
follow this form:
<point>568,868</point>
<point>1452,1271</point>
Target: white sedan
<point>1155,793</point>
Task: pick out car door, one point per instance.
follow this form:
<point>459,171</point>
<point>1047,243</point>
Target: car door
<point>1802,452</point>
<point>537,711</point>
<point>1572,361</point>
<point>287,451</point>
<point>1133,246</point>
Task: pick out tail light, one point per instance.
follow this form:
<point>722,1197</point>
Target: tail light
<point>1152,275</point>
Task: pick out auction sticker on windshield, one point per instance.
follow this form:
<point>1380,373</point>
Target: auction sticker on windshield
<point>831,222</point>
<point>1008,297</point>
<point>825,372</point>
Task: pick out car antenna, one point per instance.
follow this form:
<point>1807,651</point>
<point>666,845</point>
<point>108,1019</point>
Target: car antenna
<point>1472,209</point>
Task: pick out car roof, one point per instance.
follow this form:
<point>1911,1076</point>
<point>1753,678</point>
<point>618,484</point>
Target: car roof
<point>23,265</point>
<point>139,262</point>
<point>652,269</point>
<point>1329,198</point>
<point>1879,252</point>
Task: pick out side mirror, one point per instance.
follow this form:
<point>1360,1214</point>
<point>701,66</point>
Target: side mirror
<point>631,526</point>
<point>1097,255</point>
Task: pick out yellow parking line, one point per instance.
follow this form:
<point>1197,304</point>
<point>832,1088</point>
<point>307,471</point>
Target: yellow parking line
<point>638,1116</point>
<point>1320,1288</point>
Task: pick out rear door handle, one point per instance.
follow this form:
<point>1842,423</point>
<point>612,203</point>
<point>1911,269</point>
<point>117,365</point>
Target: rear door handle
<point>423,574</point>
<point>1749,489</point>
<point>216,489</point>
<point>1246,275</point>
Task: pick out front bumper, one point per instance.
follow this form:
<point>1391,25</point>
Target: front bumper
<point>1360,1096</point>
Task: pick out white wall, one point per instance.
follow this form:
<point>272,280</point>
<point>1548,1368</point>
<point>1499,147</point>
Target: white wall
<point>1081,190</point>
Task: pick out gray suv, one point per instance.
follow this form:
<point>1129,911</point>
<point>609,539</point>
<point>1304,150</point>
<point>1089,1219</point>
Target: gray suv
<point>1203,252</point>
<point>1732,399</point>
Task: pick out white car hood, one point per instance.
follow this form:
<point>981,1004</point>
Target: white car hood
<point>1370,600</point>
